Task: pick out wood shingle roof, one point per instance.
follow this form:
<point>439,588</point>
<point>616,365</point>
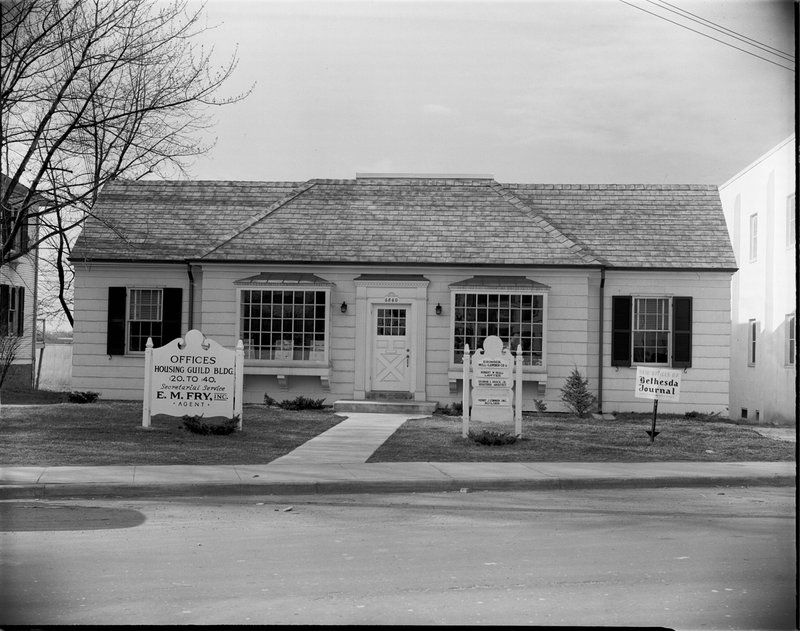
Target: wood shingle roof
<point>409,220</point>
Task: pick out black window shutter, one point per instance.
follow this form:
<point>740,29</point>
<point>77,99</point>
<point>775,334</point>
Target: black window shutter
<point>20,310</point>
<point>4,301</point>
<point>171,314</point>
<point>620,330</point>
<point>115,337</point>
<point>682,332</point>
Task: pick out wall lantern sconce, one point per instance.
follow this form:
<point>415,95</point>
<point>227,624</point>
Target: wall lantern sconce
<point>438,309</point>
<point>344,307</point>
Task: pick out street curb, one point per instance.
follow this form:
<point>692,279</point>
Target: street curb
<point>145,491</point>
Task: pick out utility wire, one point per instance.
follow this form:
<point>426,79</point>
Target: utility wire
<point>722,29</point>
<point>708,36</point>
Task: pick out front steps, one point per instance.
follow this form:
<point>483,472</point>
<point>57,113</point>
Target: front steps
<point>399,406</point>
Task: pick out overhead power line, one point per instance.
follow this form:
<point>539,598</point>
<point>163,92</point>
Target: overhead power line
<point>722,29</point>
<point>775,63</point>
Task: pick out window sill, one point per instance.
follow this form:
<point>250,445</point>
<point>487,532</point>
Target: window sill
<point>284,370</point>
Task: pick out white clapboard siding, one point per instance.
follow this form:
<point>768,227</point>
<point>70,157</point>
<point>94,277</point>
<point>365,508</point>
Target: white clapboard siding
<point>571,332</point>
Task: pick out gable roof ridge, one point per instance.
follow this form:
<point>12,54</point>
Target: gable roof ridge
<point>251,221</point>
<point>578,249</point>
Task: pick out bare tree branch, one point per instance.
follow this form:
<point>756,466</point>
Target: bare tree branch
<point>90,91</point>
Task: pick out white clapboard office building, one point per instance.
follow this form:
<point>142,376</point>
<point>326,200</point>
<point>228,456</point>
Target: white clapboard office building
<point>370,287</point>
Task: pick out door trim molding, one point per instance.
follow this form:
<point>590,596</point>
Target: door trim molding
<point>411,292</point>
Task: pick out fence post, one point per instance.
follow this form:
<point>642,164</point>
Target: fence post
<point>238,387</point>
<point>465,393</point>
<point>148,381</point>
<point>518,393</point>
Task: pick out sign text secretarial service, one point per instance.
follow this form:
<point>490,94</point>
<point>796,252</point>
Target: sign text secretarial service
<point>193,380</point>
<point>192,375</point>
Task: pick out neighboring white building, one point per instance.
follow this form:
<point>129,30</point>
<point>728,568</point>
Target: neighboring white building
<point>761,211</point>
<point>357,289</point>
<point>18,288</point>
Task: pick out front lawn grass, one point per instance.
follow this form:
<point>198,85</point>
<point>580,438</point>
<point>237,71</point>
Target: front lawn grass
<point>566,438</point>
<point>111,433</point>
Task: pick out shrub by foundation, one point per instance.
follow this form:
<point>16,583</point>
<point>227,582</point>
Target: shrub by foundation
<point>302,403</point>
<point>77,396</point>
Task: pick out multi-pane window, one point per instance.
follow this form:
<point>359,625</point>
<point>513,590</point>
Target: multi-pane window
<point>651,330</point>
<point>752,331</point>
<point>753,237</point>
<point>790,220</point>
<point>285,325</point>
<point>144,318</point>
<point>791,339</point>
<point>517,319</point>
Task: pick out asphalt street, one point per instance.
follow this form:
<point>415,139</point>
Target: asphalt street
<point>685,558</point>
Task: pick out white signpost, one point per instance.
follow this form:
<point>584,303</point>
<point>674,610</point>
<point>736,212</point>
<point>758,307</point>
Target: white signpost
<point>658,384</point>
<point>493,385</point>
<point>193,375</point>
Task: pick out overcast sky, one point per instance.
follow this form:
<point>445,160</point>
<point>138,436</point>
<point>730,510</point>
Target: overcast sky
<point>572,91</point>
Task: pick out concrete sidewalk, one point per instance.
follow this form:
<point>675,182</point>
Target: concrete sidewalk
<point>335,462</point>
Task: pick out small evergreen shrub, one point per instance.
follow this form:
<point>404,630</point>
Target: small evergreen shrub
<point>492,437</point>
<point>268,400</point>
<point>198,425</point>
<point>302,403</point>
<point>453,409</point>
<point>541,406</point>
<point>575,393</point>
<point>77,396</point>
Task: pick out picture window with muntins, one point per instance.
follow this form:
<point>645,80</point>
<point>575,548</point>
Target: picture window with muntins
<point>516,318</point>
<point>284,325</point>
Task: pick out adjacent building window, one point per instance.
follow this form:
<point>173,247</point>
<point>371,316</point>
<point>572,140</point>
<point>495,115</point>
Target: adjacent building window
<point>753,237</point>
<point>652,330</point>
<point>752,331</point>
<point>284,325</point>
<point>790,221</point>
<point>517,318</point>
<point>138,313</point>
<point>791,339</point>
<point>12,310</point>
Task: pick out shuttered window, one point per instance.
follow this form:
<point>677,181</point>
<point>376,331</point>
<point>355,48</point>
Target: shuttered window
<point>139,313</point>
<point>12,310</point>
<point>651,331</point>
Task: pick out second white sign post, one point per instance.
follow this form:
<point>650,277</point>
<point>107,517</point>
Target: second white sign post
<point>492,372</point>
<point>662,384</point>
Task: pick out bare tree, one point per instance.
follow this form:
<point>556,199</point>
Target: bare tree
<point>92,90</point>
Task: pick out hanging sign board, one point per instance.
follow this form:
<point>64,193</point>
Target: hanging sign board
<point>192,375</point>
<point>662,384</point>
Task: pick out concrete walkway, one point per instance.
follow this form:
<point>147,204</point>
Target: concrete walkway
<point>353,440</point>
<point>335,462</point>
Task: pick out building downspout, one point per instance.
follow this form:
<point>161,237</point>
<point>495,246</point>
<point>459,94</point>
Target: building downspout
<point>600,352</point>
<point>190,322</point>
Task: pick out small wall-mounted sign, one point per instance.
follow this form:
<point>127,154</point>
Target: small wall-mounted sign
<point>193,375</point>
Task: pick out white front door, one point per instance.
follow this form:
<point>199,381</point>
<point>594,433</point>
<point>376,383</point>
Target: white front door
<point>391,351</point>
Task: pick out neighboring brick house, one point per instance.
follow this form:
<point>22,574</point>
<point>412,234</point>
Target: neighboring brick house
<point>347,289</point>
<point>761,212</point>
<point>18,280</point>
